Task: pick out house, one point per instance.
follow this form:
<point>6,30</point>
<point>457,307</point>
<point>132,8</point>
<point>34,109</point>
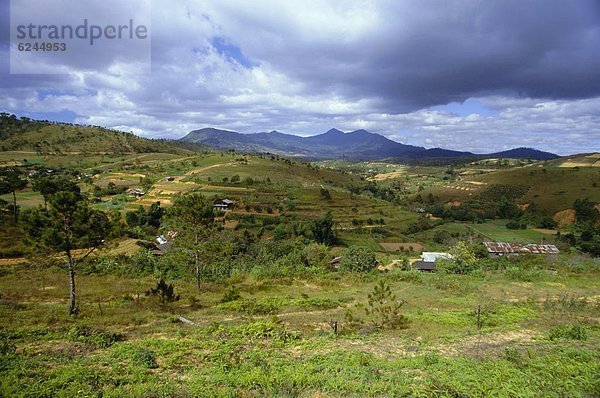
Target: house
<point>164,244</point>
<point>428,259</point>
<point>500,249</point>
<point>424,266</point>
<point>432,257</point>
<point>162,248</point>
<point>136,192</point>
<point>224,204</point>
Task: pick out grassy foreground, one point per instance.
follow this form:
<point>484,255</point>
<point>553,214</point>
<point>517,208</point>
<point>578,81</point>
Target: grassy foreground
<point>540,336</point>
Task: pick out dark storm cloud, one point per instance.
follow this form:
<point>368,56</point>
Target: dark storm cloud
<point>304,67</point>
<point>419,54</point>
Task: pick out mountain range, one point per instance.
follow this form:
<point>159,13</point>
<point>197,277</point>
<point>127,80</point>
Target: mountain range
<point>333,144</point>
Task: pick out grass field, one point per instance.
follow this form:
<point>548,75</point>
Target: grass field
<point>496,231</point>
<point>124,343</point>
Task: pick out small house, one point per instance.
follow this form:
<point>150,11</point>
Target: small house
<point>424,266</point>
<point>163,244</point>
<point>432,257</point>
<point>136,192</point>
<point>428,259</point>
<point>501,249</point>
<point>224,204</point>
<point>162,248</point>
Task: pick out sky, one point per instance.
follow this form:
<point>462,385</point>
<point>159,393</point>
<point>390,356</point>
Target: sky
<point>481,76</point>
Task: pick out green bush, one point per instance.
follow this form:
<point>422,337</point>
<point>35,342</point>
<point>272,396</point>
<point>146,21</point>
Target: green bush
<point>523,275</point>
<point>567,332</point>
<point>94,336</point>
<point>463,260</point>
<point>252,307</point>
<point>316,255</point>
<point>145,358</point>
<point>231,294</point>
<point>164,292</point>
<point>358,259</point>
<point>384,309</point>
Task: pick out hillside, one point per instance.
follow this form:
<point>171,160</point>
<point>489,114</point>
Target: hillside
<point>55,138</point>
<point>335,144</point>
<point>523,153</point>
<point>551,185</point>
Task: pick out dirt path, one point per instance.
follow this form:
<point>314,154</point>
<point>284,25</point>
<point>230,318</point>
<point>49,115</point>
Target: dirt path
<point>201,169</point>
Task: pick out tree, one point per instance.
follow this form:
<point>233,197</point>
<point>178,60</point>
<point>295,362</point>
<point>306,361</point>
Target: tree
<point>192,215</point>
<point>358,259</point>
<point>323,230</point>
<point>384,308</point>
<point>325,194</point>
<point>11,180</point>
<point>67,225</point>
<point>462,261</point>
<point>142,217</point>
<point>509,210</point>
<point>164,291</point>
<point>586,211</point>
<point>49,185</point>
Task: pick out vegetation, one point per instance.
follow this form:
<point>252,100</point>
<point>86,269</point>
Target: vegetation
<point>245,302</point>
<point>68,225</point>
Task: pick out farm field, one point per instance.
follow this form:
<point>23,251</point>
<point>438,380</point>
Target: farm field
<point>551,188</point>
<point>496,231</point>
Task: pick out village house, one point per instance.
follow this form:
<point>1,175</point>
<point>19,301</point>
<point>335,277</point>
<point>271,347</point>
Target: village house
<point>136,192</point>
<point>501,249</point>
<point>164,244</point>
<point>224,204</point>
<point>428,259</point>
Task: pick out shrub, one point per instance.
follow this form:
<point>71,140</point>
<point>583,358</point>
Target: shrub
<point>384,308</point>
<point>144,357</point>
<point>513,225</point>
<point>358,259</point>
<point>316,255</point>
<point>322,230</point>
<point>406,276</point>
<point>570,332</point>
<point>94,336</point>
<point>252,307</point>
<point>463,260</point>
<point>519,274</point>
<point>7,347</point>
<point>231,294</point>
<point>165,292</point>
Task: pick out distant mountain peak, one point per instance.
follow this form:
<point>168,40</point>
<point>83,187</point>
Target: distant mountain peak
<point>360,131</point>
<point>359,145</point>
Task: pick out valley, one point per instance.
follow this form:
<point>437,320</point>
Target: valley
<point>287,276</point>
